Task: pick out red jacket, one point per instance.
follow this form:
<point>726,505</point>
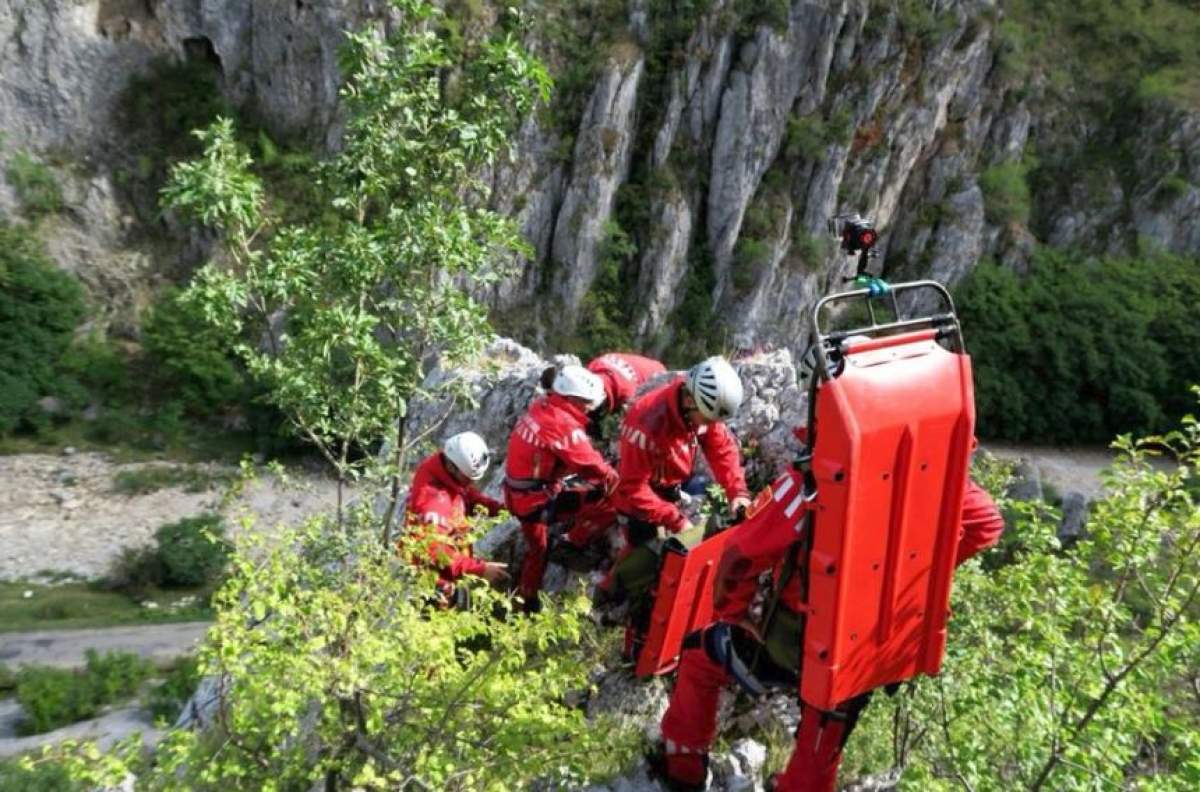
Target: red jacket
<point>658,451</point>
<point>438,503</point>
<point>622,374</point>
<point>549,443</point>
<point>766,545</point>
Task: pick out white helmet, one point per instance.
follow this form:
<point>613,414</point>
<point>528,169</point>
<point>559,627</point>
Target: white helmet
<point>716,387</point>
<point>582,384</point>
<point>469,453</point>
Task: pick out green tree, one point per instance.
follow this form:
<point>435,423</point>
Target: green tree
<point>1079,350</point>
<point>1067,669</point>
<point>340,671</point>
<point>340,316</point>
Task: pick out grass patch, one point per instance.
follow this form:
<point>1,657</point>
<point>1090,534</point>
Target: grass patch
<point>1005,193</point>
<point>152,479</point>
<point>75,605</point>
<point>34,183</point>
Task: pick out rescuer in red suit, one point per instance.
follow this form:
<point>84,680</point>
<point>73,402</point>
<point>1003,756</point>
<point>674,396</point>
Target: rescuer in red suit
<point>622,375</point>
<point>659,438</point>
<point>442,497</point>
<point>549,443</point>
<point>690,723</point>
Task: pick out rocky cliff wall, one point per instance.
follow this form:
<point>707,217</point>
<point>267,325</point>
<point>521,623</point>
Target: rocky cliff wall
<point>717,136</point>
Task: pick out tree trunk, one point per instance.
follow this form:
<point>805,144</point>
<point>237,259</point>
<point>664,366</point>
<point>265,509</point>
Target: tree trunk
<point>394,502</point>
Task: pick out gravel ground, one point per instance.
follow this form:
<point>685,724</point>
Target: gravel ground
<point>60,513</point>
<point>1068,469</point>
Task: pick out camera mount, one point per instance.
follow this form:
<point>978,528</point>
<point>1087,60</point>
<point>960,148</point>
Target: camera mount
<point>857,236</point>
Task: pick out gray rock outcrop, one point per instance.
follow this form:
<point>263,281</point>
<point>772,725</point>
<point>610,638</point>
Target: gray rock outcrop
<point>1073,525</point>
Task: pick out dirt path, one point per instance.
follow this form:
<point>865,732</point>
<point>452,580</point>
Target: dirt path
<point>65,648</point>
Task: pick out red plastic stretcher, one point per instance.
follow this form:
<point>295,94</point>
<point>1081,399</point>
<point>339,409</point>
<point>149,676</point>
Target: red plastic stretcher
<point>683,602</point>
<point>891,424</point>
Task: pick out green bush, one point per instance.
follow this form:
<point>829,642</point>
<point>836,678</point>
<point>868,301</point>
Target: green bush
<point>39,308</point>
<point>604,323</point>
<point>37,189</point>
<point>1079,350</point>
<point>750,257</point>
<point>808,136</point>
<point>137,571</point>
<point>115,675</point>
<point>193,550</point>
<point>53,697</point>
<point>167,699</point>
<point>190,359</point>
<point>327,633</point>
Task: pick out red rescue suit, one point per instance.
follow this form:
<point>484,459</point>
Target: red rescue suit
<point>658,453</point>
<point>622,374</point>
<point>440,505</point>
<point>690,723</point>
<point>549,443</point>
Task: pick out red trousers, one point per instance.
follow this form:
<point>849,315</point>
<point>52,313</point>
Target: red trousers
<point>690,724</point>
<point>588,524</point>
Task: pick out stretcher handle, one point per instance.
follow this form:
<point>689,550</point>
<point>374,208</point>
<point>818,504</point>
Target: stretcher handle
<point>893,290</point>
<point>945,325</point>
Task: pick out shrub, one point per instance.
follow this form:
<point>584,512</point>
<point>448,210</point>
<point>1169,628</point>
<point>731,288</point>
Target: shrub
<point>115,675</point>
<point>326,634</point>
<point>750,257</point>
<point>808,136</point>
<point>8,679</point>
<point>604,323</point>
<point>53,697</point>
<point>136,571</point>
<point>16,776</point>
<point>37,189</point>
<point>190,358</point>
<point>193,550</point>
<point>191,478</point>
<point>39,308</point>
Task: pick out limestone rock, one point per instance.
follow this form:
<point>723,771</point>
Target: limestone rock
<point>602,157</point>
<point>1027,482</point>
<point>1073,526</point>
<point>203,708</point>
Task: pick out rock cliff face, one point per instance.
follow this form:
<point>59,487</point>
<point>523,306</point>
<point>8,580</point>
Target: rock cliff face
<point>719,136</point>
